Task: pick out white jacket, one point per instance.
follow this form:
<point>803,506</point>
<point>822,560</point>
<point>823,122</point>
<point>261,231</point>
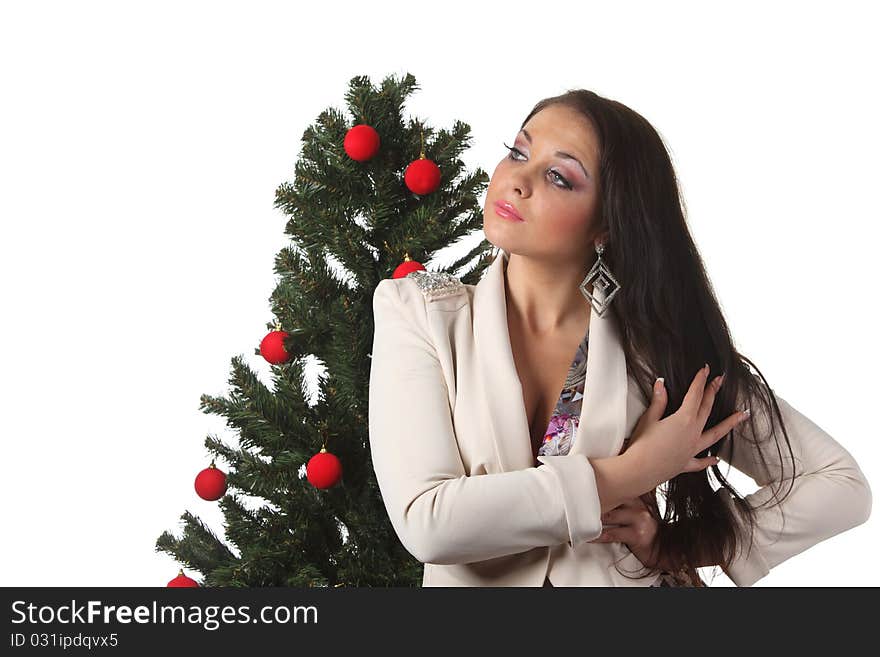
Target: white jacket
<point>452,451</point>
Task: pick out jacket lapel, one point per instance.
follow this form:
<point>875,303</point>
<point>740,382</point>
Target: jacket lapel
<point>603,409</point>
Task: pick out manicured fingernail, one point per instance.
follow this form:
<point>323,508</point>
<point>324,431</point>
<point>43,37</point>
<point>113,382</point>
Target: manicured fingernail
<point>746,413</point>
<point>658,384</point>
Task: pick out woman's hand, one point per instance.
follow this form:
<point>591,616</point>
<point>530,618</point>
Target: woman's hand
<point>664,448</point>
<point>637,530</point>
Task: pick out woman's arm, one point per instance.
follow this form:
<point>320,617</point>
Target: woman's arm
<point>440,514</point>
<point>829,496</point>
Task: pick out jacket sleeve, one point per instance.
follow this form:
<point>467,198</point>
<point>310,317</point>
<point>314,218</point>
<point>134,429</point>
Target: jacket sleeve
<point>440,514</point>
<point>830,494</point>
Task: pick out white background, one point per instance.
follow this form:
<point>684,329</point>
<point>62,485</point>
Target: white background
<point>141,145</point>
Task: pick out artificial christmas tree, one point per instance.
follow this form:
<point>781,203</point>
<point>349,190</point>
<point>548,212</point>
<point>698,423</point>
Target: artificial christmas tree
<point>350,200</point>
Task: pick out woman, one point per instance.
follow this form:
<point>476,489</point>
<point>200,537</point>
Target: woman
<point>492,476</point>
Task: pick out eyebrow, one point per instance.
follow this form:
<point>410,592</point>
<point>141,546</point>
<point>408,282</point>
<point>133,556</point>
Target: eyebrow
<point>559,153</point>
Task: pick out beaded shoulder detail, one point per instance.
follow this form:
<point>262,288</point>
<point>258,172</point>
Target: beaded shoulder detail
<point>436,284</point>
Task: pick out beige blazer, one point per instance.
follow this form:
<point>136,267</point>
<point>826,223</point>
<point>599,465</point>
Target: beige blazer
<point>452,451</point>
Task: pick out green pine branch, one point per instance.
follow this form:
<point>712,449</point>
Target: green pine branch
<point>361,217</point>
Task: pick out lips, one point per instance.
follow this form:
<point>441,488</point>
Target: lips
<point>508,208</point>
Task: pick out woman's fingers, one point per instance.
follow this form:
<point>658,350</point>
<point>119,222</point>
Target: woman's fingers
<point>606,536</point>
<point>697,464</point>
<point>713,435</point>
<point>694,396</point>
<point>621,523</point>
<point>632,523</point>
<point>709,400</point>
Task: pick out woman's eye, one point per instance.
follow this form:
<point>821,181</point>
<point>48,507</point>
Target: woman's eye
<point>561,179</point>
<point>513,149</point>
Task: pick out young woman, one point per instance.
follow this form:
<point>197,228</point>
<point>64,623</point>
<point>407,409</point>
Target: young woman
<point>520,428</point>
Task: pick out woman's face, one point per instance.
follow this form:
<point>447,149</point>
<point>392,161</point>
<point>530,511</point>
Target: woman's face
<point>556,196</point>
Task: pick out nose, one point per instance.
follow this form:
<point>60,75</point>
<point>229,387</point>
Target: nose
<point>521,179</point>
<point>520,184</point>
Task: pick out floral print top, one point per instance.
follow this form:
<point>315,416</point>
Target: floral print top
<point>562,429</point>
<point>564,420</point>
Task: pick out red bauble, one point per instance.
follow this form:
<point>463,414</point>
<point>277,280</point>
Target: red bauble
<point>272,347</point>
<point>422,176</point>
<point>323,470</point>
<point>407,266</point>
<point>182,581</point>
<point>361,142</point>
<point>211,483</point>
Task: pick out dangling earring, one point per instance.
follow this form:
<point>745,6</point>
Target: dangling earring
<point>604,281</point>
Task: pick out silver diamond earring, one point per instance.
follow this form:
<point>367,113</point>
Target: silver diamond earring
<point>603,280</point>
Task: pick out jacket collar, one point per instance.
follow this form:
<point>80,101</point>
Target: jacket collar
<point>603,408</point>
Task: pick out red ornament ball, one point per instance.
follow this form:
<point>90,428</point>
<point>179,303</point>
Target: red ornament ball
<point>182,581</point>
<point>422,176</point>
<point>323,470</point>
<point>272,347</point>
<point>361,142</point>
<point>211,483</point>
<point>405,267</point>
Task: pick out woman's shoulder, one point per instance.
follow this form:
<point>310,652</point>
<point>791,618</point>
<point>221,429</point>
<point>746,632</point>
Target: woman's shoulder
<point>431,289</point>
<point>434,285</point>
<point>427,304</point>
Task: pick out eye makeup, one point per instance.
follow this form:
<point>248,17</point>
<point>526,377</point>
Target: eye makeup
<point>556,176</point>
<point>562,154</point>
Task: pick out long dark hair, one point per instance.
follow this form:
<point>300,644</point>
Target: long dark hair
<point>671,324</point>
